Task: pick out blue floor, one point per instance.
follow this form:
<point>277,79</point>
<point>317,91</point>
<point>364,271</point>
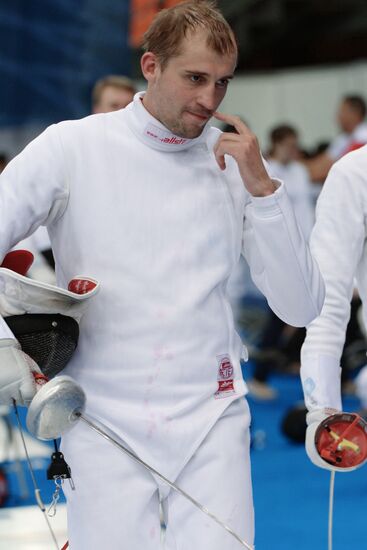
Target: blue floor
<point>22,494</point>
<point>291,495</point>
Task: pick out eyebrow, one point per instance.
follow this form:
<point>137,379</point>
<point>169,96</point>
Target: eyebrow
<point>201,73</point>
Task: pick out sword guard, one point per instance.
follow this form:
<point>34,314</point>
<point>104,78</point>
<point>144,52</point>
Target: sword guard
<point>341,440</point>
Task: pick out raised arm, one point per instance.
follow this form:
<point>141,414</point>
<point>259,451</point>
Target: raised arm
<point>337,243</point>
<point>280,261</point>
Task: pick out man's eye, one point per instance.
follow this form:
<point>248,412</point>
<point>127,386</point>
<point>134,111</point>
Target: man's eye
<point>195,78</point>
<point>223,83</point>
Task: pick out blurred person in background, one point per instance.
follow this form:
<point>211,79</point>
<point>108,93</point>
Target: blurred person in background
<point>158,205</point>
<point>283,162</point>
<point>111,93</point>
<point>279,345</point>
<point>351,116</point>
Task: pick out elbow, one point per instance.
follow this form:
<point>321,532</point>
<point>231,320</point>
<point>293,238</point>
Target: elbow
<point>312,306</point>
<point>301,312</point>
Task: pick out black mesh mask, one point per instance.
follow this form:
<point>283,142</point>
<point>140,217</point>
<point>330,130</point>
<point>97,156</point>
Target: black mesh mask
<point>49,339</point>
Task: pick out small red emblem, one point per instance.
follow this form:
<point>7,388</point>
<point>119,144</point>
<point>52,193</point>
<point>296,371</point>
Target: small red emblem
<point>225,377</point>
<point>81,286</point>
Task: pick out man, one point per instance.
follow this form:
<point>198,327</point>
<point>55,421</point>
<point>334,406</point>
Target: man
<point>158,356</point>
<point>351,120</point>
<point>338,242</point>
<point>111,93</point>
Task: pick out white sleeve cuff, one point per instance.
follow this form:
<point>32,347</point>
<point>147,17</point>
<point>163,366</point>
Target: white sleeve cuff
<point>264,207</point>
<point>321,376</point>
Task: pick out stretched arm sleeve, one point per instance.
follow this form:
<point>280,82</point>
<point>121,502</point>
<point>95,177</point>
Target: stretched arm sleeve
<point>33,192</point>
<point>280,261</point>
<point>337,243</point>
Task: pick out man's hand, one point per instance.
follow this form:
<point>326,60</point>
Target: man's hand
<point>16,374</point>
<point>244,148</point>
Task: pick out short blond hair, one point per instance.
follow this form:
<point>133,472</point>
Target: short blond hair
<point>116,81</point>
<point>170,26</point>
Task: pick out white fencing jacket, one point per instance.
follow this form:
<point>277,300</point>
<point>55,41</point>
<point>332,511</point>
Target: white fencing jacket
<point>152,217</point>
<point>338,242</point>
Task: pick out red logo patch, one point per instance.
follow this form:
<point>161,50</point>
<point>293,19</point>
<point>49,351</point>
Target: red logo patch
<point>225,377</point>
<point>225,385</point>
<point>225,371</point>
<point>81,286</point>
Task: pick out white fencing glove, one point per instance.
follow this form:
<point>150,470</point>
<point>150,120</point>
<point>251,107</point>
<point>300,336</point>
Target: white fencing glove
<point>17,374</point>
<point>354,442</point>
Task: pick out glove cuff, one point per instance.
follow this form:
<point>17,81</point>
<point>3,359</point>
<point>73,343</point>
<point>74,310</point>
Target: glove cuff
<point>321,382</point>
<point>318,415</point>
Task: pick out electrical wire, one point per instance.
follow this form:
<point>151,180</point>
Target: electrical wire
<point>331,510</point>
<point>37,491</point>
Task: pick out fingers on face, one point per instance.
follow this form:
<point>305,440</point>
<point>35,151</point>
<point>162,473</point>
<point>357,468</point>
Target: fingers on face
<point>232,147</point>
<point>233,120</point>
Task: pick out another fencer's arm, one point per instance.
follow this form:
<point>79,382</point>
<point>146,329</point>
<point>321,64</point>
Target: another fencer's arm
<point>337,244</point>
<point>280,261</point>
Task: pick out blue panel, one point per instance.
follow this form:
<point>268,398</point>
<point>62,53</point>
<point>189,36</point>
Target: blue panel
<point>52,52</point>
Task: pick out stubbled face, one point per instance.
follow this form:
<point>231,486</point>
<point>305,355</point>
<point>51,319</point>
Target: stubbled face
<point>113,99</point>
<point>347,117</point>
<point>184,95</point>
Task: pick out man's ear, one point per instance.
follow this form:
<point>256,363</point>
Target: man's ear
<point>150,66</point>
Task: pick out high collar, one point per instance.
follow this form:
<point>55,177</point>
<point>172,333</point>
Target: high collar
<point>153,133</point>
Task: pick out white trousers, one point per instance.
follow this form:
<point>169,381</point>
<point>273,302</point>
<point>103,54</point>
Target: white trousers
<point>116,504</point>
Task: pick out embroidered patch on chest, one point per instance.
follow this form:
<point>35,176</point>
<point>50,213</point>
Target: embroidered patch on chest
<point>225,377</point>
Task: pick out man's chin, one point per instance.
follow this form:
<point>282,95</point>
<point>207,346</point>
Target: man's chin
<point>191,132</point>
<point>187,130</point>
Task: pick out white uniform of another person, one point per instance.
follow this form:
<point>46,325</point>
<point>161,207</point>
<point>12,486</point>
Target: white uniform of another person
<point>153,218</point>
<point>344,142</point>
<point>299,189</point>
<point>338,242</point>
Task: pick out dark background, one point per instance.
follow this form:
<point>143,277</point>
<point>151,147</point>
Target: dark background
<point>53,50</point>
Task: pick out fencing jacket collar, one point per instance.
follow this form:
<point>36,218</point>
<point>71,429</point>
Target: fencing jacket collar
<point>153,133</point>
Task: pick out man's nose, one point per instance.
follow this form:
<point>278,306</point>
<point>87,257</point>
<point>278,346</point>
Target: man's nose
<point>208,98</point>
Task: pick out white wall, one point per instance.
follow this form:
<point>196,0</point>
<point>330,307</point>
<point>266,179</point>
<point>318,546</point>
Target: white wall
<point>305,98</point>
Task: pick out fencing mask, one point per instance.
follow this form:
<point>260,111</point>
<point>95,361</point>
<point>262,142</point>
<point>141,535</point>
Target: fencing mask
<point>44,318</point>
